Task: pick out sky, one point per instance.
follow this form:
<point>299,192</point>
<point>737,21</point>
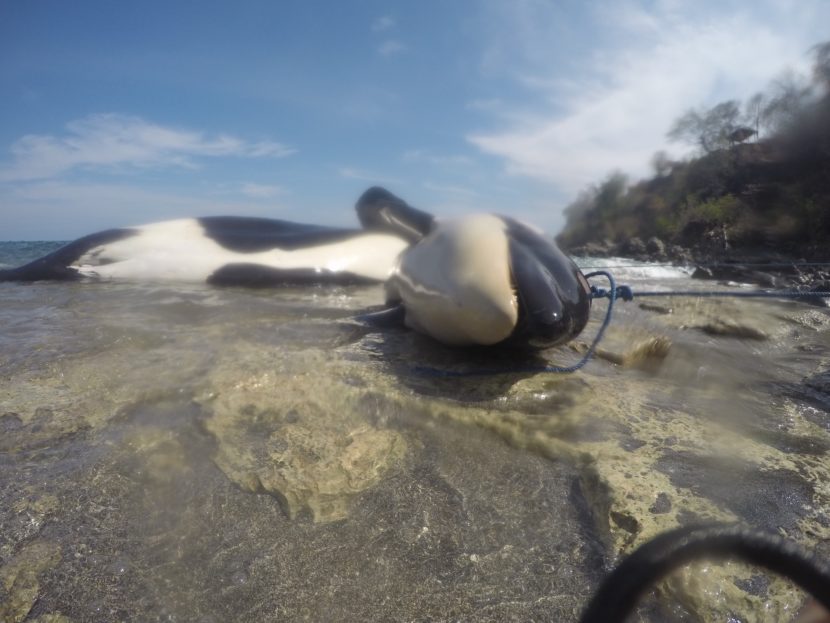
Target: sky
<point>121,113</point>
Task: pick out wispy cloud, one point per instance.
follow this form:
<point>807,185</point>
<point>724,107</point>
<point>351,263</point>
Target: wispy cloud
<point>383,23</point>
<point>391,47</point>
<point>423,155</point>
<point>352,173</point>
<point>261,191</point>
<point>114,141</point>
<point>658,63</point>
<point>449,189</point>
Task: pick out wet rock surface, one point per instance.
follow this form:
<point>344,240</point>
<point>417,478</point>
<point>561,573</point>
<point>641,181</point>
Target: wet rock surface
<point>227,456</point>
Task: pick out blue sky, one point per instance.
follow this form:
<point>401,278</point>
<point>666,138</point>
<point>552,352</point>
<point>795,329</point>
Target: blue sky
<point>119,113</point>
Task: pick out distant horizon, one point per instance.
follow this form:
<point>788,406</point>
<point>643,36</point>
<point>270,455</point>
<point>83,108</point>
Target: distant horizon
<point>117,115</point>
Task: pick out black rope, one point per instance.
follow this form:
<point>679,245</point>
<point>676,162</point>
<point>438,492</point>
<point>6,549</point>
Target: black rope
<point>619,593</point>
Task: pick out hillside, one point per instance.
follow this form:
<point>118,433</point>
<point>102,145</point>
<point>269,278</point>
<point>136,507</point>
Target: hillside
<point>740,196</point>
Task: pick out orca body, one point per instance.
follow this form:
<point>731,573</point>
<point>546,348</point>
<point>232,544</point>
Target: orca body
<point>477,280</point>
<point>222,251</point>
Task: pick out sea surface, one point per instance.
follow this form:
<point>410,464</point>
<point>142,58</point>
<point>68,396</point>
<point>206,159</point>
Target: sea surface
<point>189,453</point>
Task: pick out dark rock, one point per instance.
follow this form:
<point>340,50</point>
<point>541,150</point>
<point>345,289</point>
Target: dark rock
<point>679,254</point>
<point>703,272</point>
<point>761,497</point>
<point>657,309</point>
<point>656,248</point>
<point>817,301</point>
<point>757,585</point>
<point>661,505</point>
<point>724,328</point>
<point>633,247</point>
<point>593,249</point>
<point>10,422</point>
<point>819,382</point>
<point>740,273</point>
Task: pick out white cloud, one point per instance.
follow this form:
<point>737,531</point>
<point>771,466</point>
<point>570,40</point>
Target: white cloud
<point>63,210</point>
<point>391,47</point>
<point>615,113</point>
<point>383,23</point>
<point>106,141</point>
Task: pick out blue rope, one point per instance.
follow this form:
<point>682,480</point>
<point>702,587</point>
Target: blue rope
<point>611,294</point>
<point>625,293</point>
<point>713,265</point>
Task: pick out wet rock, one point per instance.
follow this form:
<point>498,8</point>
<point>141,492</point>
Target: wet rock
<point>314,451</point>
<point>656,248</point>
<point>757,585</point>
<point>19,579</point>
<point>593,249</point>
<point>763,498</point>
<point>679,254</point>
<point>505,504</point>
<point>814,299</point>
<point>730,328</point>
<point>661,505</point>
<point>10,422</point>
<point>648,354</point>
<point>819,382</point>
<point>634,248</point>
<point>736,273</point>
<point>657,309</point>
<point>703,272</point>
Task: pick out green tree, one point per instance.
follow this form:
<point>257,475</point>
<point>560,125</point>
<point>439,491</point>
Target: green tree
<point>754,112</point>
<point>821,65</point>
<point>785,101</point>
<point>709,129</point>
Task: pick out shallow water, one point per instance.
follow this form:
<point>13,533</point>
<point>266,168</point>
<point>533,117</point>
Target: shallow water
<point>186,453</point>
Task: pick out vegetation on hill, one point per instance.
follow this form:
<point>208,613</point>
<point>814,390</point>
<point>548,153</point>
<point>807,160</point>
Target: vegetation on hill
<point>760,180</point>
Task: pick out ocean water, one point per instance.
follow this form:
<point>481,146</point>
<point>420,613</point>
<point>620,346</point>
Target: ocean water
<point>188,453</point>
<point>20,252</point>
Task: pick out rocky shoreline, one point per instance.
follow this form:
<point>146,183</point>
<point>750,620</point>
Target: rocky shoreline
<point>713,259</point>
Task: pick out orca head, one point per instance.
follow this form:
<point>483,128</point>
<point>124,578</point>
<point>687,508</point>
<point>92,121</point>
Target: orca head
<point>485,279</point>
<point>553,295</point>
<point>380,210</point>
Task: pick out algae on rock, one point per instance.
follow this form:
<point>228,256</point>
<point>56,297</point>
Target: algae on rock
<point>19,579</point>
<point>312,448</point>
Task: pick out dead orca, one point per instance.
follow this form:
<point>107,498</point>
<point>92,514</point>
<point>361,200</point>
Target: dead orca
<point>477,280</point>
<point>222,250</point>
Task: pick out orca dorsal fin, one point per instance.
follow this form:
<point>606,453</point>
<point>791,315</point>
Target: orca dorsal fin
<point>379,209</point>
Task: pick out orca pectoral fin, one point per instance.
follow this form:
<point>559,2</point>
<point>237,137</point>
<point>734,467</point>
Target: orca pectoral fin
<point>392,317</point>
<point>379,209</point>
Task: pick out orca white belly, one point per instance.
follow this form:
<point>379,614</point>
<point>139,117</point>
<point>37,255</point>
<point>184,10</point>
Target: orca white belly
<point>181,251</point>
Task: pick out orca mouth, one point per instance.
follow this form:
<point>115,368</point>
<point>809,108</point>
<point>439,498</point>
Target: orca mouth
<point>550,312</point>
<point>542,328</point>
